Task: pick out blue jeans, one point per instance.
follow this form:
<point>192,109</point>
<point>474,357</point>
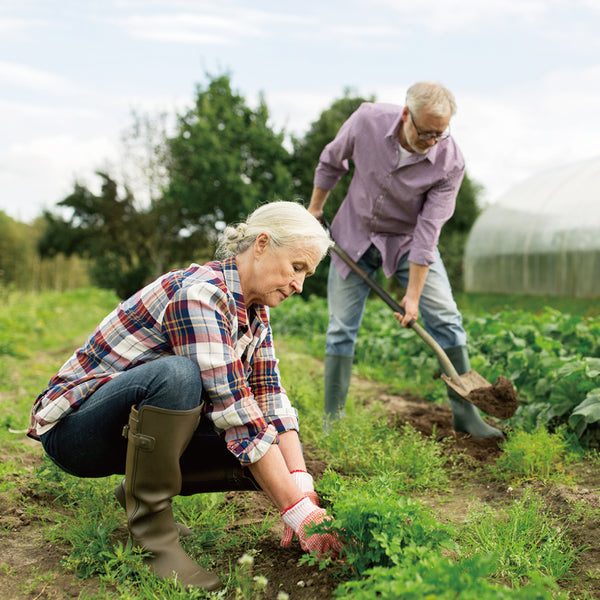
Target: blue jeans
<point>88,442</point>
<point>347,297</point>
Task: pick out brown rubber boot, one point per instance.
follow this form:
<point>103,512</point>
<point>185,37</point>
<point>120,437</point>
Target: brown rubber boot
<point>157,438</point>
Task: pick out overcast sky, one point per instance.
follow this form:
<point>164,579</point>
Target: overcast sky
<point>526,75</point>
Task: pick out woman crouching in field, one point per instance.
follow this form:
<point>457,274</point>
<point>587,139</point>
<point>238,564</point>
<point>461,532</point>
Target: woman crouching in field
<point>178,389</point>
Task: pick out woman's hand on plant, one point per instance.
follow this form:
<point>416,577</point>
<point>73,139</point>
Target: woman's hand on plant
<point>305,482</point>
<point>302,516</point>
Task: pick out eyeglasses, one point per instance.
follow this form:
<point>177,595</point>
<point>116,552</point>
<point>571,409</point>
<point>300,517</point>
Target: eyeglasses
<point>429,136</point>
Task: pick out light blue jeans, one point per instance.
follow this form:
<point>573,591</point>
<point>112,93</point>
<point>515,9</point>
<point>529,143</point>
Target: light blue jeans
<point>347,297</point>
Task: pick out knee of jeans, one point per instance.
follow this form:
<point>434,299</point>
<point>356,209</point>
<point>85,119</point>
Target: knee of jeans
<point>182,376</point>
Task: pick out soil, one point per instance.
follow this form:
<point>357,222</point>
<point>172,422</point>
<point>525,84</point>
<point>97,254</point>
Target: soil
<point>499,400</point>
<point>30,566</point>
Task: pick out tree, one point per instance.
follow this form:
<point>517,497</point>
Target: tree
<point>224,161</point>
<point>109,230</point>
<point>455,232</point>
<point>16,251</point>
<point>306,157</point>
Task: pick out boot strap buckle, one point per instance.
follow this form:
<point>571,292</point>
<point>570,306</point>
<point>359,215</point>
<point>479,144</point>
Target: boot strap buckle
<point>141,441</point>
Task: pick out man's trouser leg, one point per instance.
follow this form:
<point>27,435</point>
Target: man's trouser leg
<point>443,321</point>
<point>337,381</point>
<point>346,300</point>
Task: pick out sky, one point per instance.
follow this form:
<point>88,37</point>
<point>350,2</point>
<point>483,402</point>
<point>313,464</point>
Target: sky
<point>525,74</point>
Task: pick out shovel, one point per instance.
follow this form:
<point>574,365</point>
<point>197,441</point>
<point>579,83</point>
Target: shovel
<point>499,400</point>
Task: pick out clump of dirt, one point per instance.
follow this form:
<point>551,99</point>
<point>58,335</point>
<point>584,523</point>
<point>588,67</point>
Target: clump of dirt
<point>499,400</point>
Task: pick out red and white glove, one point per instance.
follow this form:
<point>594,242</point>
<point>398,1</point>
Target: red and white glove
<point>305,482</point>
<point>305,513</point>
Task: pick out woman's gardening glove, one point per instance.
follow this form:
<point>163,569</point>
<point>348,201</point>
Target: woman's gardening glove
<point>302,515</point>
<point>304,481</point>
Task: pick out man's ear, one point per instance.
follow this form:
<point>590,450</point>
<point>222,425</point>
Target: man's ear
<point>261,243</point>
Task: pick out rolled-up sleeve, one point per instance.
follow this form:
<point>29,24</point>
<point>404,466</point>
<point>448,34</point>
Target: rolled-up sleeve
<point>265,382</point>
<point>198,323</point>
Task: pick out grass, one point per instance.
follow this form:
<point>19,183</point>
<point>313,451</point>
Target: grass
<point>522,538</point>
<point>376,475</point>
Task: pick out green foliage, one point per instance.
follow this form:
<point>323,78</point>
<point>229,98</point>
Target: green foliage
<point>415,462</point>
<point>107,229</point>
<point>16,250</point>
<point>379,528</point>
<point>523,539</point>
<point>538,455</point>
<point>552,358</point>
<point>437,577</point>
<point>224,160</point>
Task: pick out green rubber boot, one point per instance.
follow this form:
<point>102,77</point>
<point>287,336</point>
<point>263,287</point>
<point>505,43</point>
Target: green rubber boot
<point>337,381</point>
<point>465,416</point>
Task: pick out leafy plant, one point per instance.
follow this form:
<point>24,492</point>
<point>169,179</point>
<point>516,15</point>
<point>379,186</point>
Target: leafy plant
<point>441,578</point>
<point>552,358</point>
<point>378,528</point>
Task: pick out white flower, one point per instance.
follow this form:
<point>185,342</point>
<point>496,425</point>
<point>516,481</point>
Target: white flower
<point>261,581</point>
<point>283,596</point>
<point>246,559</point>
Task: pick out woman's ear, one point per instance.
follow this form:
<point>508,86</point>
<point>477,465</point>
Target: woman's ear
<point>261,243</point>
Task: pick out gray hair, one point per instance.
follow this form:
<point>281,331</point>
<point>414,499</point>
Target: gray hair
<point>431,95</point>
<point>287,223</point>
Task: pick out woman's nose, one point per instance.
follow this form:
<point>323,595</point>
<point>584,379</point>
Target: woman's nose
<point>297,283</point>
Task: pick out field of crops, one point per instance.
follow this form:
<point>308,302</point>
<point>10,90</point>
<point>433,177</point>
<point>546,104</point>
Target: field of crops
<point>423,513</point>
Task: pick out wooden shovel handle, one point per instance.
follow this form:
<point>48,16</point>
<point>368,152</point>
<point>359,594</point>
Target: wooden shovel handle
<point>420,331</point>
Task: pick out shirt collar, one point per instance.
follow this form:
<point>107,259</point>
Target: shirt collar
<point>232,281</point>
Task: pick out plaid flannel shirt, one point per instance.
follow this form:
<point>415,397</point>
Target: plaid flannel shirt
<point>198,312</point>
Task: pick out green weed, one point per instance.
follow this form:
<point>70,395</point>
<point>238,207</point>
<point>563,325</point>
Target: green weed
<point>538,455</point>
<point>523,538</point>
<point>377,527</point>
<point>416,462</point>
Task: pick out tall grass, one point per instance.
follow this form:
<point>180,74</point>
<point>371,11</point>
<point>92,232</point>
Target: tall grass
<point>523,539</point>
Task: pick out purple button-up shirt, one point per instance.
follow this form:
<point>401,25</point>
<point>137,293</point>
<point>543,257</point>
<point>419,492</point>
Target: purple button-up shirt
<point>398,208</point>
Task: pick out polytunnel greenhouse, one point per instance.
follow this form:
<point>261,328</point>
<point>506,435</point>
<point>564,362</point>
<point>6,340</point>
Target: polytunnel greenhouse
<point>542,237</point>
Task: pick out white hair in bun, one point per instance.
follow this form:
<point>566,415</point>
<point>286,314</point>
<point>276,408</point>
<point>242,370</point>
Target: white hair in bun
<point>287,223</point>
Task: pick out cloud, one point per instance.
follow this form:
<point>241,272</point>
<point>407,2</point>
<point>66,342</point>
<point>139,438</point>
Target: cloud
<point>40,172</point>
<point>197,23</point>
<point>24,76</point>
<point>17,28</point>
<point>452,16</point>
<point>186,28</point>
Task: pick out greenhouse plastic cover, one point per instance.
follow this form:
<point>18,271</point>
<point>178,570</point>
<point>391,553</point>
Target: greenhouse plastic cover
<point>542,237</point>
